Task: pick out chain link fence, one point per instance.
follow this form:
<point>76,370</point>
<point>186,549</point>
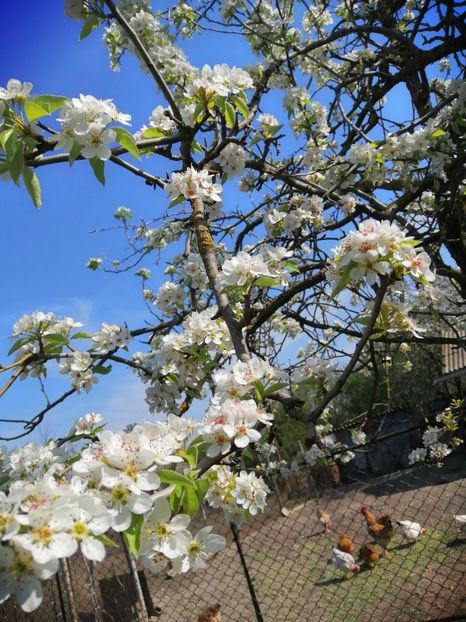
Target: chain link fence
<point>275,568</point>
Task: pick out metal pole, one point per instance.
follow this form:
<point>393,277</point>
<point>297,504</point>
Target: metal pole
<point>255,601</point>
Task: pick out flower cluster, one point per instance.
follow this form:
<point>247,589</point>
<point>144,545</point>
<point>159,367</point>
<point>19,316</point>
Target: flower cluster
<point>170,298</point>
<point>301,213</point>
<point>233,421</point>
<point>379,248</point>
<point>85,121</point>
<point>219,80</point>
<point>174,364</point>
<point>433,450</point>
<point>244,269</point>
<point>86,424</point>
<point>167,543</point>
<point>232,159</point>
<point>55,506</point>
<point>228,491</point>
<point>193,184</point>
<point>78,365</point>
<point>15,92</point>
<point>313,455</point>
<point>111,337</point>
<point>160,120</point>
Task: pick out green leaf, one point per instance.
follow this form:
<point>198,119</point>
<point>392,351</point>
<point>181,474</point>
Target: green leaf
<point>98,168</point>
<point>132,535</point>
<point>172,477</point>
<point>56,340</point>
<point>266,281</point>
<point>275,387</point>
<point>127,141</point>
<point>16,164</point>
<point>18,344</point>
<point>153,132</point>
<point>177,201</point>
<point>255,140</point>
<point>90,23</point>
<point>31,181</point>
<point>198,111</point>
<point>220,102</point>
<point>344,279</point>
<point>103,371</point>
<point>5,140</point>
<point>107,541</point>
<point>33,111</point>
<point>74,152</point>
<point>190,455</point>
<point>437,133</point>
<point>291,266</point>
<point>81,336</point>
<point>273,130</point>
<point>202,488</point>
<point>196,147</point>
<point>50,103</point>
<point>190,502</point>
<point>4,480</point>
<point>240,105</point>
<point>230,115</point>
<point>176,498</point>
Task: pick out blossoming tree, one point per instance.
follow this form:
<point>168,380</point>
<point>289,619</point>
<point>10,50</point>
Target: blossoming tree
<point>347,233</point>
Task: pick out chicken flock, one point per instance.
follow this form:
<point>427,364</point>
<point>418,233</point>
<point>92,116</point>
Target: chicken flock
<point>380,530</point>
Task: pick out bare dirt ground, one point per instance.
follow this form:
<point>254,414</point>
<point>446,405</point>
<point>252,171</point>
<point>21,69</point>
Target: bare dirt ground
<point>287,559</point>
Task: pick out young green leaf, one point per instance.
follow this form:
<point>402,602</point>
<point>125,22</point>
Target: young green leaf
<point>56,340</point>
<point>103,371</point>
<point>132,535</point>
<point>98,168</point>
<point>240,105</point>
<point>18,344</point>
<point>91,22</point>
<point>74,152</point>
<point>50,103</point>
<point>230,114</point>
<point>16,164</point>
<point>176,498</point>
<point>202,488</point>
<point>190,502</point>
<point>81,336</point>
<point>344,279</point>
<point>34,111</point>
<point>107,541</point>
<point>172,477</point>
<point>153,132</point>
<point>127,141</point>
<point>31,181</point>
<point>266,281</point>
<point>291,266</point>
<point>437,133</point>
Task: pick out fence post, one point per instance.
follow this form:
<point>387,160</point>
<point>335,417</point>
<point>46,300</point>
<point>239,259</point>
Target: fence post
<point>255,601</point>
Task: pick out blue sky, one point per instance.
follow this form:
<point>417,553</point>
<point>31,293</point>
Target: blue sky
<point>44,252</point>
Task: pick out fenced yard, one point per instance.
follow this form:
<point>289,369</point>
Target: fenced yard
<point>285,553</point>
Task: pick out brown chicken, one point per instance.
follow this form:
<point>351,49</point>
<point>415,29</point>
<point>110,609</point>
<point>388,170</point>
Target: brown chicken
<point>211,614</point>
<point>325,518</point>
<point>381,528</point>
<point>369,555</point>
<point>345,544</point>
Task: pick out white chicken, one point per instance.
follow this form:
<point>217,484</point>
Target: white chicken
<point>409,530</point>
<point>344,561</point>
<point>461,522</point>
